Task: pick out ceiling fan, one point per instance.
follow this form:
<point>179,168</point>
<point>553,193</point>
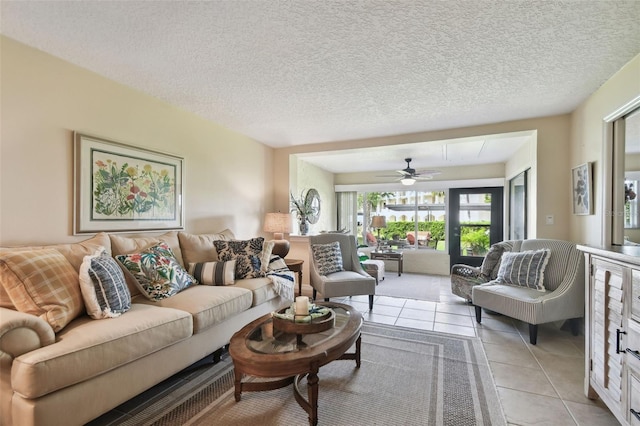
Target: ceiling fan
<point>409,175</point>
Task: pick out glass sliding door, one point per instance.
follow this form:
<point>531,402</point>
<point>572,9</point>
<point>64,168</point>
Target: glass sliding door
<point>475,222</point>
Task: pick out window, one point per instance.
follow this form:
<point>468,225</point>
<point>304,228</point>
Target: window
<point>414,219</point>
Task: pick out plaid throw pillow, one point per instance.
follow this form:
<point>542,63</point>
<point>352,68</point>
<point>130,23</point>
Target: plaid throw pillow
<point>42,283</point>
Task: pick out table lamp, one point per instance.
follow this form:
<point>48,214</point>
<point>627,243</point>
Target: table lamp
<point>378,222</point>
<point>279,224</point>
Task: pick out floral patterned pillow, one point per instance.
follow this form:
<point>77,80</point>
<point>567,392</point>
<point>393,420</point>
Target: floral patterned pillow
<point>248,255</point>
<point>157,272</point>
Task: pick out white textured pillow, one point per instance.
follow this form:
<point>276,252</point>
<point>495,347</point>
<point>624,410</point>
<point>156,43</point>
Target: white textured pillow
<point>524,268</point>
<point>104,288</point>
<point>214,273</point>
<point>328,257</point>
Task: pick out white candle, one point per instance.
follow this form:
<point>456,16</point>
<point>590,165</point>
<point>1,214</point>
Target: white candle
<point>302,305</point>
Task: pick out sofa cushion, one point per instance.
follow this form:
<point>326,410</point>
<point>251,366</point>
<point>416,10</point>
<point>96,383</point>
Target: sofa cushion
<point>252,256</point>
<point>198,248</point>
<point>130,244</point>
<point>327,257</point>
<point>104,289</point>
<point>524,268</point>
<point>73,252</point>
<point>262,289</point>
<point>42,283</point>
<point>209,305</point>
<point>88,348</point>
<point>214,273</point>
<point>157,272</point>
<point>491,262</point>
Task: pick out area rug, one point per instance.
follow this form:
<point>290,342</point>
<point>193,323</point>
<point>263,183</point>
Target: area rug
<point>407,377</point>
<point>410,286</point>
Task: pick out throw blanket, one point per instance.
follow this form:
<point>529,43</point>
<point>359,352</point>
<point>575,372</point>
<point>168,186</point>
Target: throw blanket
<point>282,278</point>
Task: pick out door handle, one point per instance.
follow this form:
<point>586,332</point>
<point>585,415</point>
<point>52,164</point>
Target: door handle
<point>618,333</point>
<point>634,353</point>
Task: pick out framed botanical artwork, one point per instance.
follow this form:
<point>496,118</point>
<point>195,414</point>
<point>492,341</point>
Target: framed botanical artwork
<point>581,181</point>
<point>120,187</point>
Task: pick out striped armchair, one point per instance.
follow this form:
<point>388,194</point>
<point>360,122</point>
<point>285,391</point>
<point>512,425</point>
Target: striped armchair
<point>562,299</point>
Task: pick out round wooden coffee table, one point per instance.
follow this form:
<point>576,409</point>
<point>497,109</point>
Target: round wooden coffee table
<point>259,350</point>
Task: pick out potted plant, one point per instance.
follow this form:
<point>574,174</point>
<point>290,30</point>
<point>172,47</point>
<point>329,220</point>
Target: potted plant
<point>303,208</point>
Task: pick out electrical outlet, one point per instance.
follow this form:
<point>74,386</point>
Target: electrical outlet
<point>549,219</point>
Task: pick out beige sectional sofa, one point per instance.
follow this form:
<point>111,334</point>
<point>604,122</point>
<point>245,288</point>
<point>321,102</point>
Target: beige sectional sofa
<point>90,366</point>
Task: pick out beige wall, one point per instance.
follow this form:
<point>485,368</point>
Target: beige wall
<point>552,188</point>
<point>587,142</point>
<point>45,99</point>
<point>310,176</point>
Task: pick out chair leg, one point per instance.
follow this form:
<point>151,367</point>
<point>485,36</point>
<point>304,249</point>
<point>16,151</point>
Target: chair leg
<point>326,299</point>
<point>478,314</point>
<point>533,333</point>
<point>575,326</point>
<point>315,292</point>
<point>371,302</point>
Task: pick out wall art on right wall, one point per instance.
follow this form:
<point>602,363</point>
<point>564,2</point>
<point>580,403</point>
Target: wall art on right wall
<point>581,181</point>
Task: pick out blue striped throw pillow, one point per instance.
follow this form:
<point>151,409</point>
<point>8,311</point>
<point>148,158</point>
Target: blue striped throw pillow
<point>525,268</point>
<point>103,286</point>
<point>214,273</point>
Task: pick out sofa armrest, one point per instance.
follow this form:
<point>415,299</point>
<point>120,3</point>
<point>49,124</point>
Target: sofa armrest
<point>466,271</point>
<point>21,333</point>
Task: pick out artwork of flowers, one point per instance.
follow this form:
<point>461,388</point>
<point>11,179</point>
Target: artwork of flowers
<point>129,188</point>
<point>125,188</point>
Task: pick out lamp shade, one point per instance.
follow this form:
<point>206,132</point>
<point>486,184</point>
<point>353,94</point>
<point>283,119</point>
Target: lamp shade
<point>378,222</point>
<point>278,223</point>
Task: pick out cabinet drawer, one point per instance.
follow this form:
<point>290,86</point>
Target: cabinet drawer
<point>634,398</point>
<point>632,345</point>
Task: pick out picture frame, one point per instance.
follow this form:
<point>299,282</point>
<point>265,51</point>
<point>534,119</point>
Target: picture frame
<point>124,188</point>
<point>582,189</point>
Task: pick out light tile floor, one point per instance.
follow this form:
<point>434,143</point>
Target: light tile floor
<point>538,384</point>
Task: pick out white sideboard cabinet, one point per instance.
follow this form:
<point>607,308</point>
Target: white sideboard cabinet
<point>612,329</point>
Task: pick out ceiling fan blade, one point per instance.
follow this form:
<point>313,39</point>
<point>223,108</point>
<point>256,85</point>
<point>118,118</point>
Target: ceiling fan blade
<point>427,173</point>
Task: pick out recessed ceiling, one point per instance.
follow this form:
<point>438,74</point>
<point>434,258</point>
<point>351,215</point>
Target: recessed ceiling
<point>425,155</point>
<point>298,71</point>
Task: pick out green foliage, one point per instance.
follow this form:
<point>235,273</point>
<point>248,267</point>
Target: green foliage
<point>373,199</point>
<point>476,239</point>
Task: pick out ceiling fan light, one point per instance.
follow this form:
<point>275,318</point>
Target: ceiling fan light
<point>408,181</point>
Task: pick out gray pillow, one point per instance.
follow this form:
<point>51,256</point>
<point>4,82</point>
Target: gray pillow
<point>525,268</point>
<point>491,261</point>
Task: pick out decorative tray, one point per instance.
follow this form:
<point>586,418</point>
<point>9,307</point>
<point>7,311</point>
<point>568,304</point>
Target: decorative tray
<point>320,318</point>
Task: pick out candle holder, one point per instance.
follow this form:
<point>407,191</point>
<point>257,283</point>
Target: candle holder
<point>284,321</point>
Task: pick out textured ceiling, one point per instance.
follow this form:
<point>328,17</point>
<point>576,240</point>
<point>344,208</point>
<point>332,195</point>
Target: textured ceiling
<point>300,71</point>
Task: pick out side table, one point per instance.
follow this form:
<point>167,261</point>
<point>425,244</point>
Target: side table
<point>388,255</point>
<point>296,266</point>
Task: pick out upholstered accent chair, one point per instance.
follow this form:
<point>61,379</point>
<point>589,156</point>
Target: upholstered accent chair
<point>346,277</point>
<point>562,297</point>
